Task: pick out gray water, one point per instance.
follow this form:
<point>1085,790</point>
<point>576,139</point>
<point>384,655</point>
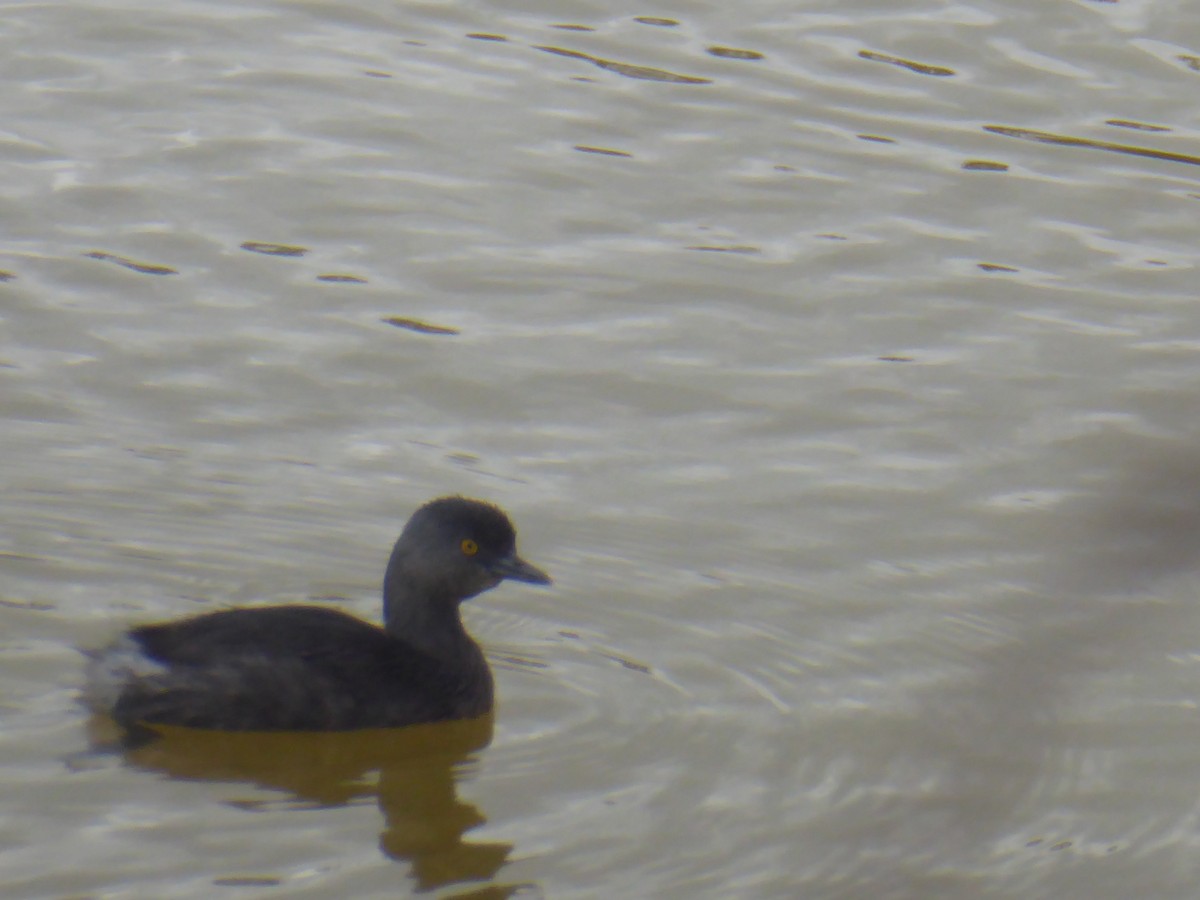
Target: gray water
<point>842,364</point>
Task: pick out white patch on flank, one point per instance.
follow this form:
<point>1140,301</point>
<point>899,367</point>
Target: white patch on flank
<point>112,669</point>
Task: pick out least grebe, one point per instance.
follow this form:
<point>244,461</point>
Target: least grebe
<point>310,668</point>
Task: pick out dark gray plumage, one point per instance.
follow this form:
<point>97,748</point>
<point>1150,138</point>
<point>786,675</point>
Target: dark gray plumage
<point>309,668</point>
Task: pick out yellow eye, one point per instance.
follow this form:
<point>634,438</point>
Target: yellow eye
<point>469,547</point>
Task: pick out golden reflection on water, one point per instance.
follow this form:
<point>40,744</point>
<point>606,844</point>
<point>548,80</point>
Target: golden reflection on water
<point>1064,140</point>
<point>411,773</point>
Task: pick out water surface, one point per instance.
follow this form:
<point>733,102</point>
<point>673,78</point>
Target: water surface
<point>840,364</point>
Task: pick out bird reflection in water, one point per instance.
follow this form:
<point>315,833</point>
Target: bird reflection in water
<point>416,786</point>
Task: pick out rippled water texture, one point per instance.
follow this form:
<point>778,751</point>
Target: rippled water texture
<point>841,362</point>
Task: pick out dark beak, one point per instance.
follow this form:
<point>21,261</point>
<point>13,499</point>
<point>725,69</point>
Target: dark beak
<point>516,569</point>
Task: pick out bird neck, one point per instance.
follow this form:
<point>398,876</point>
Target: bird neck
<point>423,613</point>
